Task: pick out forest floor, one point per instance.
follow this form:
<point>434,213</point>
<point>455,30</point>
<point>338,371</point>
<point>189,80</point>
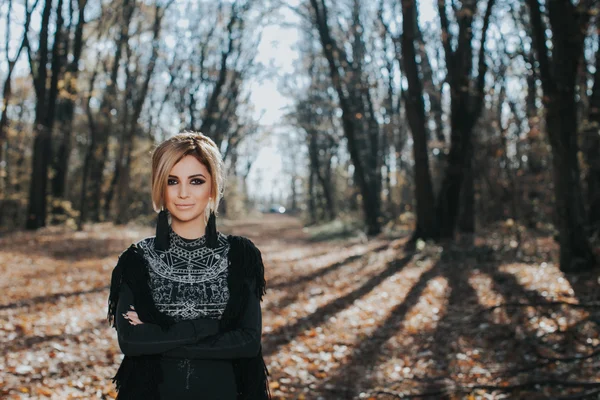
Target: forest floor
<point>342,319</point>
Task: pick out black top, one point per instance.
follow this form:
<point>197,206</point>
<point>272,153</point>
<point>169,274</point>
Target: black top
<point>189,283</point>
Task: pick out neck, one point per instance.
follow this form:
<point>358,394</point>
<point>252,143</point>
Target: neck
<point>189,230</point>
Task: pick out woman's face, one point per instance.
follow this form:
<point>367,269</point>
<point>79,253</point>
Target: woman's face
<point>188,190</point>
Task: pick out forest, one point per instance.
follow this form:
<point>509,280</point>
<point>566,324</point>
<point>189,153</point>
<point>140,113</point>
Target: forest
<point>440,174</point>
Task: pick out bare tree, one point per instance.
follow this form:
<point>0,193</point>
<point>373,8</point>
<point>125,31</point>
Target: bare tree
<point>466,104</point>
<point>358,120</point>
<point>135,98</point>
<point>89,156</point>
<point>108,106</point>
<point>46,91</point>
<point>591,149</point>
<point>313,114</point>
<point>6,91</point>
<point>209,82</point>
<point>558,72</point>
<point>415,110</point>
<point>65,111</point>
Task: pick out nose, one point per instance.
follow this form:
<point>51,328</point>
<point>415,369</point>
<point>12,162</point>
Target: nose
<point>183,193</point>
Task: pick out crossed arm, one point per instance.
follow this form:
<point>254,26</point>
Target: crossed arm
<point>135,340</point>
<point>242,342</point>
<point>194,338</point>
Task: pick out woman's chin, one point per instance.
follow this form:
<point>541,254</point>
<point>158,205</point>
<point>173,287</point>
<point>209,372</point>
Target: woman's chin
<point>183,216</point>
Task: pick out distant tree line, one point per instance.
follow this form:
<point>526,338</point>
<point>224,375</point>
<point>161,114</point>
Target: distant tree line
<point>460,115</point>
<point>106,81</point>
<point>486,113</point>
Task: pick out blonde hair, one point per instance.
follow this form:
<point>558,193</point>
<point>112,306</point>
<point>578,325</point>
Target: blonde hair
<point>172,150</point>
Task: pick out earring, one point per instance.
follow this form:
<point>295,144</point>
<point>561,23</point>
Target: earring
<point>161,240</point>
<point>211,230</point>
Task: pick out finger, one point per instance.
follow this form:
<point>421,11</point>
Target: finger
<point>134,317</point>
<point>132,307</point>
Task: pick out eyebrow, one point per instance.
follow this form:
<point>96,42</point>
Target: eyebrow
<point>191,176</point>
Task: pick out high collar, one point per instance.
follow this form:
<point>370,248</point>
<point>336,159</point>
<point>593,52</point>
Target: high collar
<point>179,241</point>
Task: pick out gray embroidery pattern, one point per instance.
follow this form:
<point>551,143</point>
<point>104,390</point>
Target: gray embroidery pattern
<point>189,280</point>
<point>185,366</point>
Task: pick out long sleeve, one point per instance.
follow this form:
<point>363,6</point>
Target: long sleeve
<point>243,342</point>
<point>150,338</point>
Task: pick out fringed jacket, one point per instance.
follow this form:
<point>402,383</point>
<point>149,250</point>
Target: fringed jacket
<point>139,375</point>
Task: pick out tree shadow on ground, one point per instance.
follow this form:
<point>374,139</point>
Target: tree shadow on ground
<point>282,336</point>
<point>70,248</point>
<point>471,341</point>
<point>345,380</point>
<point>51,298</point>
<point>30,341</point>
<point>297,286</point>
<point>585,285</point>
<point>304,279</point>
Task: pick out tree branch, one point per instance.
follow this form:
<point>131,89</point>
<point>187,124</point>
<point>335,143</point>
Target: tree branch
<point>540,46</point>
<point>482,66</point>
<point>446,37</point>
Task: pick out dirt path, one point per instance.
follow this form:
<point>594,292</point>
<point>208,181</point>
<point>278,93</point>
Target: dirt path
<point>341,320</point>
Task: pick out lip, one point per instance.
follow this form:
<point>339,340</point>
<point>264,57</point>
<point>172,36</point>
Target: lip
<point>184,206</point>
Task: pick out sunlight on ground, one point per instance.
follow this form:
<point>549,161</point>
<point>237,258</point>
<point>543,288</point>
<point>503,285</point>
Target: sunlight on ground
<point>413,337</point>
<point>343,319</point>
<point>545,278</point>
<point>483,285</point>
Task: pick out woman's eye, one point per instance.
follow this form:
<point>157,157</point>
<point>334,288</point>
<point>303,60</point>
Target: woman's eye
<point>197,181</point>
<point>171,182</point>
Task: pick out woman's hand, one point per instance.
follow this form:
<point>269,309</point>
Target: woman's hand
<point>132,317</point>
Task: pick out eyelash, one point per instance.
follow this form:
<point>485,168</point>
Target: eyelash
<point>200,181</point>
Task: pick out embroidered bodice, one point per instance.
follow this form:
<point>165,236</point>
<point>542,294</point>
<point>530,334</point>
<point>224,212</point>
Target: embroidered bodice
<point>189,280</point>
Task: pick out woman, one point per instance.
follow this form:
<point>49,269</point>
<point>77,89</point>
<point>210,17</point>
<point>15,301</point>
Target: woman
<point>186,302</point>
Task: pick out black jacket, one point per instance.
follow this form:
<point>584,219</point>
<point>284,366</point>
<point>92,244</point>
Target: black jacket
<point>140,373</point>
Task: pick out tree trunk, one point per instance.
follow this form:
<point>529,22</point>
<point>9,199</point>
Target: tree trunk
<point>467,210</point>
<point>113,186</point>
<point>385,165</point>
<point>44,119</point>
<point>391,122</point>
<point>448,199</point>
<point>466,97</point>
<point>415,112</point>
<point>96,171</point>
<point>312,212</point>
<point>591,152</point>
<point>6,91</point>
<point>434,93</point>
<point>36,213</point>
<point>65,114</point>
<point>575,250</point>
<point>317,170</point>
<point>294,205</point>
<point>329,190</point>
<point>351,104</point>
<point>124,188</point>
<point>137,96</point>
<point>211,109</point>
<point>100,151</point>
<point>89,157</point>
<point>558,76</point>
